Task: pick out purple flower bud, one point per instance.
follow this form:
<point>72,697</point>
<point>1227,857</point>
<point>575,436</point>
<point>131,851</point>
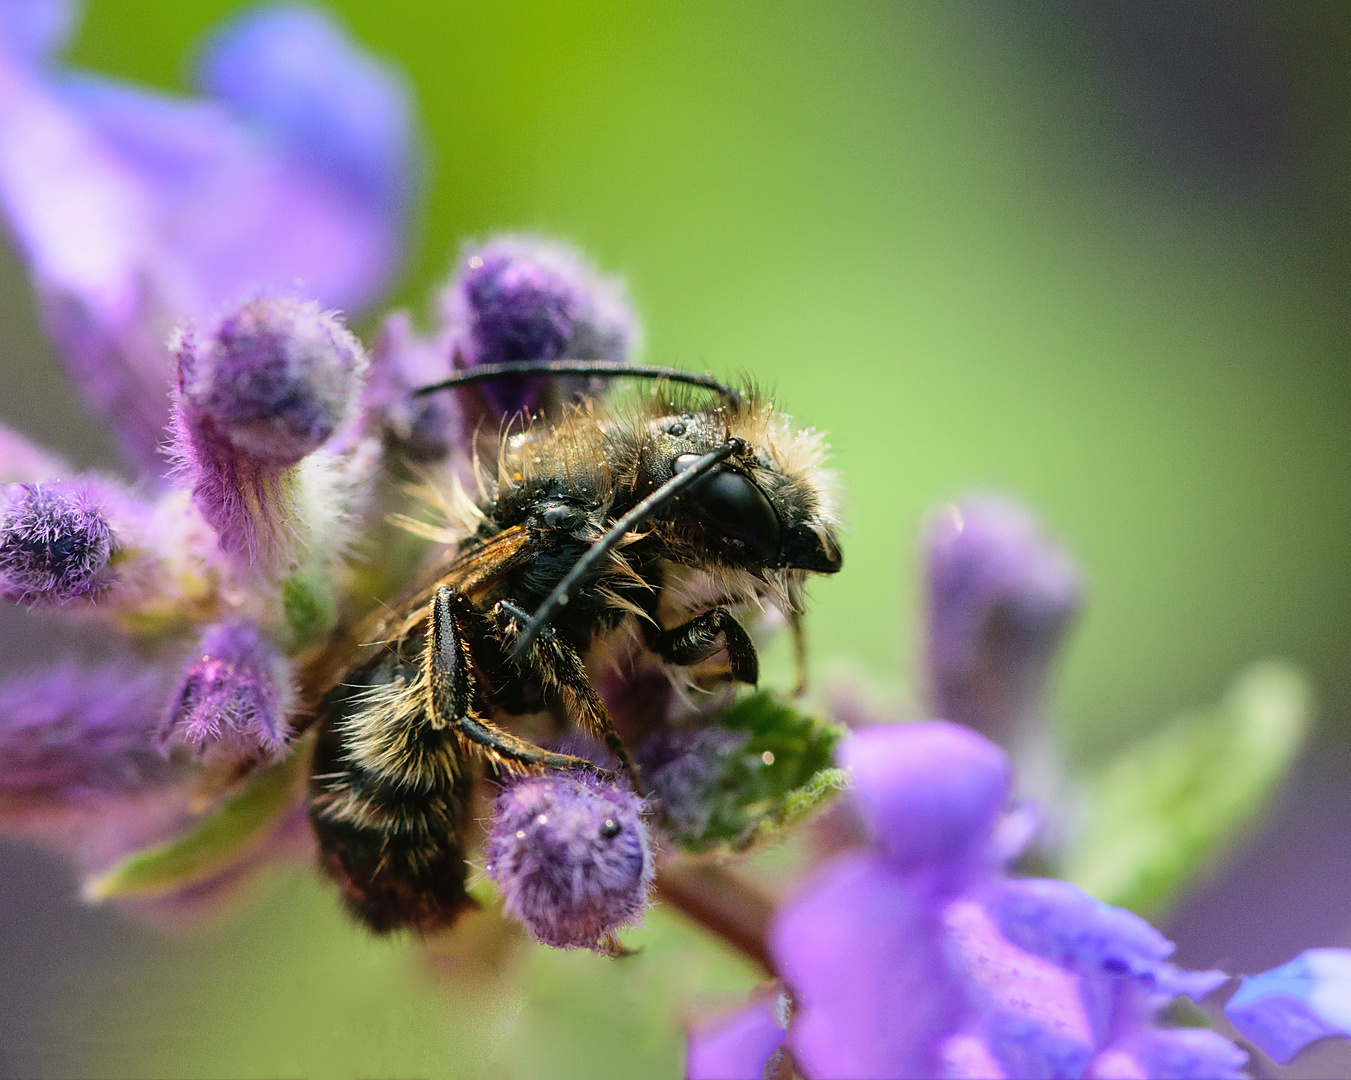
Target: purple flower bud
<point>1285,1009</point>
<point>235,695</point>
<point>517,298</point>
<point>571,856</point>
<point>421,429</point>
<point>682,768</point>
<point>269,386</point>
<point>56,544</point>
<point>1001,597</point>
<point>274,380</point>
<point>68,735</point>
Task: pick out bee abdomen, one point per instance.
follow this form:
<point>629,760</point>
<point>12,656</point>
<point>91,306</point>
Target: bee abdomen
<point>395,850</point>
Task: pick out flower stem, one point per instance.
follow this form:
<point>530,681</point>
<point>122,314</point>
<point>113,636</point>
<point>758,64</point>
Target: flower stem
<point>722,901</point>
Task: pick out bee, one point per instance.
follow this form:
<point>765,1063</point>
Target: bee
<point>617,533</point>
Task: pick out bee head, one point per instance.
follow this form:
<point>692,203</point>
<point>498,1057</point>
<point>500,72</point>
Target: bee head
<point>769,506</point>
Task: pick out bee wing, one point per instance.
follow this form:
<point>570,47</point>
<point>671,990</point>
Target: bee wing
<point>475,569</point>
<point>469,571</point>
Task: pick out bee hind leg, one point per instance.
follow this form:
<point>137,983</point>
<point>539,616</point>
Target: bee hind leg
<point>451,688</point>
<point>560,667</point>
<point>695,641</point>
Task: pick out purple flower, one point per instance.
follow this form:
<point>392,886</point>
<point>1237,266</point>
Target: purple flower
<point>135,209</point>
<point>572,858</point>
<point>1001,597</point>
<point>421,429</point>
<point>267,386</point>
<point>1285,1009</point>
<point>517,298</point>
<point>69,735</point>
<point>736,1045</point>
<point>918,957</point>
<point>235,695</point>
<point>56,543</point>
<point>22,462</point>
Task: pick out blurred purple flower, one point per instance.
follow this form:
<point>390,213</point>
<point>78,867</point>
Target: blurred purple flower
<point>1001,597</point>
<point>135,209</point>
<point>72,734</point>
<point>268,385</point>
<point>1285,1009</point>
<point>517,298</point>
<point>571,856</point>
<point>918,957</point>
<point>23,462</point>
<point>735,1045</point>
<point>421,429</point>
<point>235,695</point>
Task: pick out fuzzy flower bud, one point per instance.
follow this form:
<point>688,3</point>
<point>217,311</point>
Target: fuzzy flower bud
<point>420,429</point>
<point>274,379</point>
<point>517,298</point>
<point>235,695</point>
<point>56,544</point>
<point>571,856</point>
<point>682,770</point>
<point>270,385</point>
<point>1001,597</point>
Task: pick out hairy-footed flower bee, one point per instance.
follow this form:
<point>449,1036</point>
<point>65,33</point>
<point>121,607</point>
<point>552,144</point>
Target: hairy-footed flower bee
<point>618,534</point>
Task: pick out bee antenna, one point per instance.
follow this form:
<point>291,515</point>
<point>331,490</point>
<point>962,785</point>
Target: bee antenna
<point>602,547</point>
<point>599,368</point>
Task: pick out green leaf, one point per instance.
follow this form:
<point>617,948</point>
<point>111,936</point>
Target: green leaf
<point>1168,808</point>
<point>213,843</point>
<point>773,778</point>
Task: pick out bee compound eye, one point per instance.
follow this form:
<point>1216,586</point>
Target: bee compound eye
<point>735,507</point>
<point>610,828</point>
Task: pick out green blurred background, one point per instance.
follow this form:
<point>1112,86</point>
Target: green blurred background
<point>1091,255</point>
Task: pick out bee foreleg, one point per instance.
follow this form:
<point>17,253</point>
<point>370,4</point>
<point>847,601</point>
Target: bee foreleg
<point>695,641</point>
<point>451,687</point>
<point>559,666</point>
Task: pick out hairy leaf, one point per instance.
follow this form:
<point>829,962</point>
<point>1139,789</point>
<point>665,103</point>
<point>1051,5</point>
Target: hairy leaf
<point>1167,809</point>
<point>770,778</point>
<point>211,844</point>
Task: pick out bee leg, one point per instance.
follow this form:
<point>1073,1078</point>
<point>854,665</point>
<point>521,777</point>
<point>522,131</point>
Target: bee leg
<point>451,689</point>
<point>560,667</point>
<point>697,640</point>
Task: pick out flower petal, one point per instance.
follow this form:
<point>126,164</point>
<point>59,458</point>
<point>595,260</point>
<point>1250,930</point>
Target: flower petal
<point>1034,1018</point>
<point>1288,1007</point>
<point>297,77</point>
<point>571,856</point>
<point>735,1046</point>
<point>136,209</point>
<point>69,735</point>
<point>30,30</point>
<point>1179,1054</point>
<point>861,951</point>
<point>930,793</point>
